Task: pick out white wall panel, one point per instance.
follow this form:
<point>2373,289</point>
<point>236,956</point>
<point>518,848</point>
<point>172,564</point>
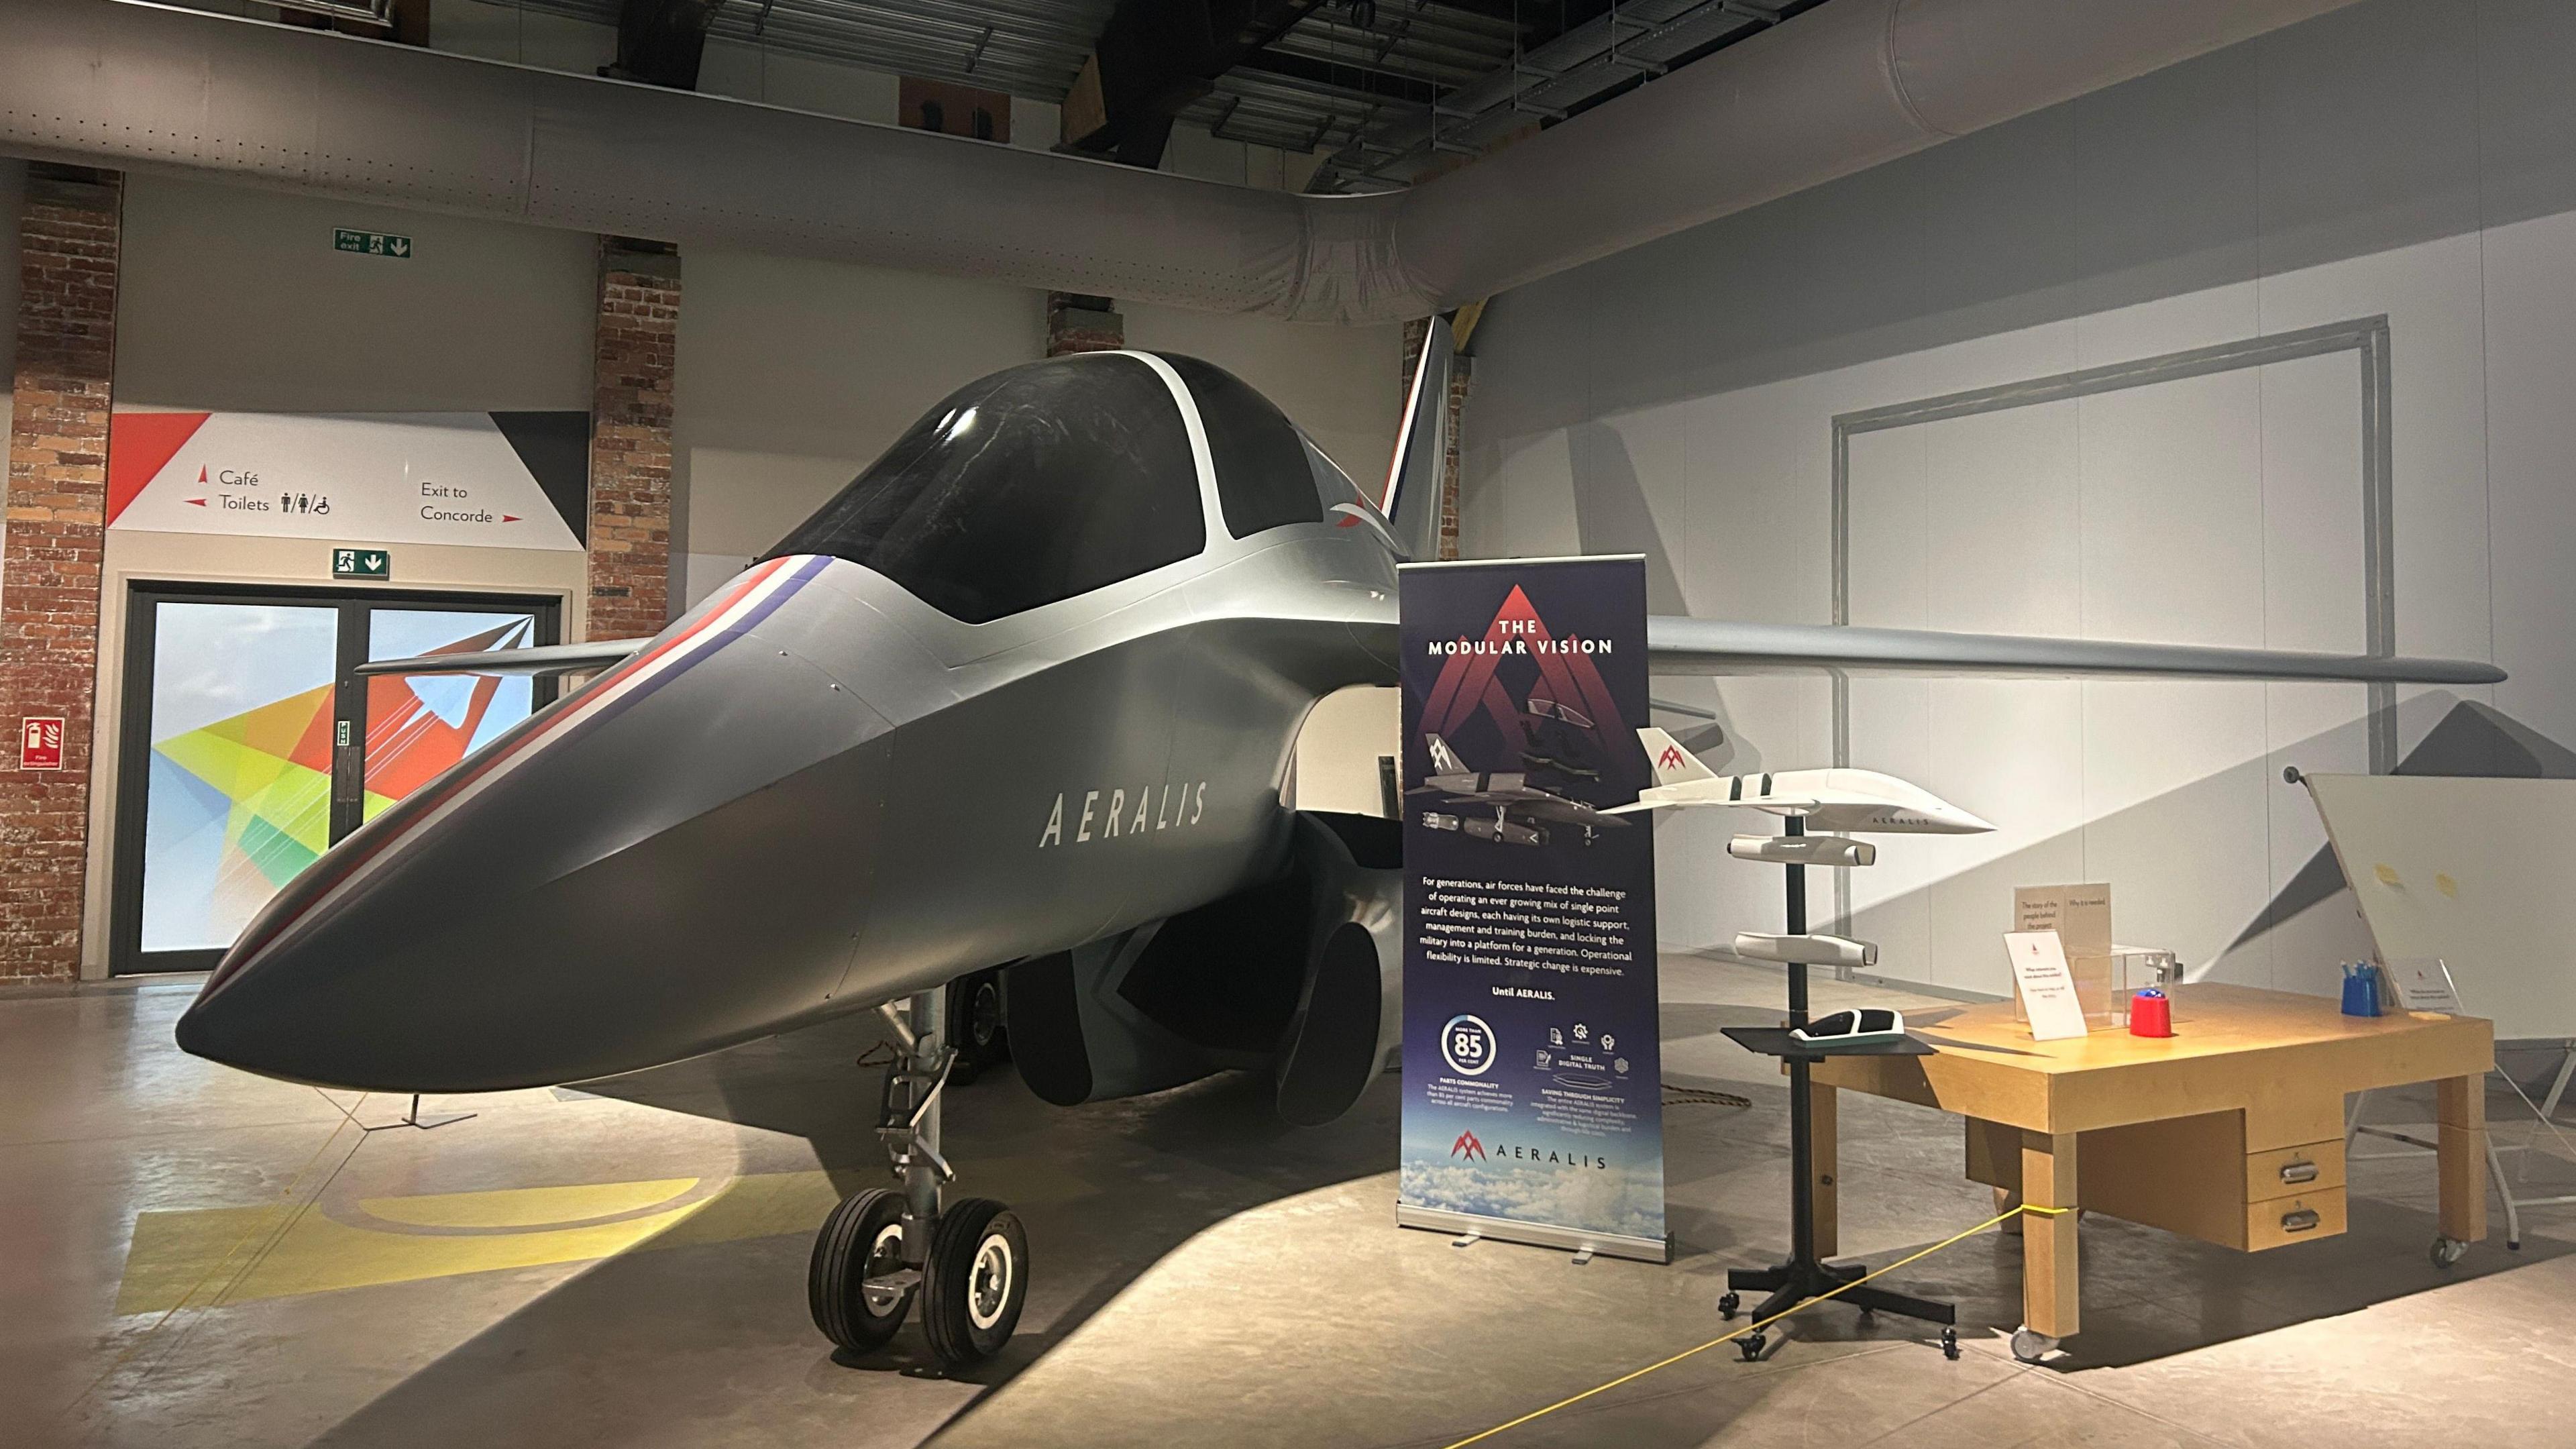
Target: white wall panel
<point>2395,159</point>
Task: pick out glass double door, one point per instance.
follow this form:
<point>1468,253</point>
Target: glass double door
<point>250,743</point>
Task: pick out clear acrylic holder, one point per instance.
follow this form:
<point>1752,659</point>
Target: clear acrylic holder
<point>2105,983</point>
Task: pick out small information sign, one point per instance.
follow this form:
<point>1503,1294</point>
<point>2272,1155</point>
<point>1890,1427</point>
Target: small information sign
<point>362,563</point>
<point>373,243</point>
<point>40,742</point>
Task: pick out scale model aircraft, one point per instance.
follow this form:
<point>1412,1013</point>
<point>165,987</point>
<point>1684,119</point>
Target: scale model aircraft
<point>1833,800</point>
<point>1024,696</point>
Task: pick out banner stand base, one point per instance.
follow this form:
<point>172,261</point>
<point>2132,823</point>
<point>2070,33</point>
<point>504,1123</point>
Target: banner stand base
<point>1539,1235</point>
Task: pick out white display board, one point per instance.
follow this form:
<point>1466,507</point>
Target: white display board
<point>2480,873</point>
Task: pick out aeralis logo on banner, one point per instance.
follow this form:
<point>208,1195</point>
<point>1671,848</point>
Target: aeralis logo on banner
<point>1468,1147</point>
<point>1157,808</point>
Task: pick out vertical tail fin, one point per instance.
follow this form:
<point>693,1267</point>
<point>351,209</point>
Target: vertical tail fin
<point>1444,760</point>
<point>1673,764</point>
<point>1412,501</point>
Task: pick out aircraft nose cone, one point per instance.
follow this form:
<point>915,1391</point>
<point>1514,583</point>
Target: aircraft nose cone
<point>668,862</point>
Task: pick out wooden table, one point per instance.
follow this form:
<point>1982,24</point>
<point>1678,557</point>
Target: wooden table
<point>2231,1130</point>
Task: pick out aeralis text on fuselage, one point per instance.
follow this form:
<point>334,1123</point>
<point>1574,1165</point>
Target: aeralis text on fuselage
<point>1157,808</point>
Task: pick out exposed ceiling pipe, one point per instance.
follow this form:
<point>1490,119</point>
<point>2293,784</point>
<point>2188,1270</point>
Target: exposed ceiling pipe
<point>1843,87</point>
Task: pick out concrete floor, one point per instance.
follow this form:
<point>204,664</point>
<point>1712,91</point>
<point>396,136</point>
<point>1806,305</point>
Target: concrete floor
<point>197,1257</point>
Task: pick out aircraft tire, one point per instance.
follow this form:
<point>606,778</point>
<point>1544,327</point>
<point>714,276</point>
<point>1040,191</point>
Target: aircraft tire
<point>864,1232</point>
<point>978,1281</point>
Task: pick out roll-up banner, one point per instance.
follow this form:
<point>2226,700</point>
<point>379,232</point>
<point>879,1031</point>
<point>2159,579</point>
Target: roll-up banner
<point>1533,1103</point>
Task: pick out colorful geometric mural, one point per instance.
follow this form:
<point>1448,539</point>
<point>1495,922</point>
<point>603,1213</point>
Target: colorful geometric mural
<point>241,804</point>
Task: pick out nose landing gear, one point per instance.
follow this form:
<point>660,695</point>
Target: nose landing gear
<point>967,1262</point>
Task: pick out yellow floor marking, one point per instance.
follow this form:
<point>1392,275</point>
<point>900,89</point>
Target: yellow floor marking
<point>526,1207</point>
<point>172,1250</point>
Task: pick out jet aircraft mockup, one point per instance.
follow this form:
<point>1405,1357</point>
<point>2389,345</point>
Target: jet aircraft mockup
<point>1837,800</point>
<point>1026,695</point>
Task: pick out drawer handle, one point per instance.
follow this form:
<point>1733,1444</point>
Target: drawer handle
<point>2298,1172</point>
<point>2300,1221</point>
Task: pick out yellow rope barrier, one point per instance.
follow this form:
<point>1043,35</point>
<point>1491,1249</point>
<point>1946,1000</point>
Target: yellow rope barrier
<point>1996,1221</point>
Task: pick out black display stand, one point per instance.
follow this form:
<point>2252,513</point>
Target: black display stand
<point>1803,1277</point>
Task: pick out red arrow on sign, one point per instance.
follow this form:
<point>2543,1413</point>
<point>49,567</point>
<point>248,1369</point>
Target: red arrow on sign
<point>509,518</point>
<point>198,501</point>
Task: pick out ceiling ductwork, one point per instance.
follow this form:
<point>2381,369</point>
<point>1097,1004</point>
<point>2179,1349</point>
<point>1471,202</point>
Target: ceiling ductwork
<point>1843,87</point>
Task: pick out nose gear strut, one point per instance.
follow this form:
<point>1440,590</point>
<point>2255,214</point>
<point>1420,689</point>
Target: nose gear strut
<point>968,1260</point>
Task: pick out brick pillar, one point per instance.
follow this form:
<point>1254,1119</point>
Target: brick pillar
<point>49,557</point>
<point>1077,322</point>
<point>1460,369</point>
<point>630,439</point>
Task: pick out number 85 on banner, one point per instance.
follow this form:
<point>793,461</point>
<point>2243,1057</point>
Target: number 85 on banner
<point>1467,1044</point>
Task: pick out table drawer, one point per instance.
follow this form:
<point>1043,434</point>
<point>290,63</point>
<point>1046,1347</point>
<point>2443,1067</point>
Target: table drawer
<point>2284,1220</point>
<point>2315,1167</point>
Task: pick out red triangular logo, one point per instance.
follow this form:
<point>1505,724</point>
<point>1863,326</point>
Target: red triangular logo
<point>140,445</point>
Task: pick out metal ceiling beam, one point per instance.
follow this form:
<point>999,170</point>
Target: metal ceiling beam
<point>1155,59</point>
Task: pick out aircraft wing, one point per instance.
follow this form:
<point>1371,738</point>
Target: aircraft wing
<point>542,659</point>
<point>1716,646</point>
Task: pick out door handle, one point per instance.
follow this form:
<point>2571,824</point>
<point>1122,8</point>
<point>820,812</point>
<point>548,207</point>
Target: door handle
<point>348,774</point>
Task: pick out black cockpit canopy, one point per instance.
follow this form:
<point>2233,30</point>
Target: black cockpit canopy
<point>1054,478</point>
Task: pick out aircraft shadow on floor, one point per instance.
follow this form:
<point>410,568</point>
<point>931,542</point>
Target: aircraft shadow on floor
<point>1106,1190</point>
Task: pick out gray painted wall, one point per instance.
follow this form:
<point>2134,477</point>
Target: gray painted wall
<point>2403,158</point>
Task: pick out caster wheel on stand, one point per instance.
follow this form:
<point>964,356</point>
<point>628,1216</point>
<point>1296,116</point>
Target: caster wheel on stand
<point>1727,1304</point>
<point>1752,1344</point>
<point>2030,1345</point>
<point>861,1241</point>
<point>978,1281</point>
<point>2448,1251</point>
<point>1950,1344</point>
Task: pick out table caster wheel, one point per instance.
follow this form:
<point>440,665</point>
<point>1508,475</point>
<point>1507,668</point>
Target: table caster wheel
<point>1727,1304</point>
<point>2030,1346</point>
<point>1950,1344</point>
<point>978,1281</point>
<point>861,1240</point>
<point>2447,1251</point>
<point>1752,1344</point>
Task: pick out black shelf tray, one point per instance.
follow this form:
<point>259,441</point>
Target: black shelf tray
<point>1775,1041</point>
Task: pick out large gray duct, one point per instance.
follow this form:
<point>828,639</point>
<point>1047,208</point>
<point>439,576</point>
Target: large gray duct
<point>1845,86</point>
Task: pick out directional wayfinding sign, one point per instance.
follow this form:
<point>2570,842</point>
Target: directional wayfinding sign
<point>373,243</point>
<point>361,563</point>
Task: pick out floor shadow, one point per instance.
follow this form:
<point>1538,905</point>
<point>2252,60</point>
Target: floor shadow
<point>1104,1190</point>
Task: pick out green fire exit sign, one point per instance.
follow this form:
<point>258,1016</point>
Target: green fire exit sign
<point>373,243</point>
<point>361,563</point>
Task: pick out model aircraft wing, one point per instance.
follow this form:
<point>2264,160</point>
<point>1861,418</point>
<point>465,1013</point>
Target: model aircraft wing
<point>1776,804</point>
<point>1717,646</point>
<point>542,659</point>
<point>1412,501</point>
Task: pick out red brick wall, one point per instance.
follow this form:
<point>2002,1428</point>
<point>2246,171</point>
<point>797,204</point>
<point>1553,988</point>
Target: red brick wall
<point>1414,332</point>
<point>49,559</point>
<point>630,442</point>
<point>1079,323</point>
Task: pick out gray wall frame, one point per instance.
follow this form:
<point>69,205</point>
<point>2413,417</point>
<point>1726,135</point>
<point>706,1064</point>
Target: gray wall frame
<point>2366,337</point>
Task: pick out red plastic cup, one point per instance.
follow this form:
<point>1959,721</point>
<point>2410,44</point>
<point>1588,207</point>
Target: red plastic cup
<point>2150,1014</point>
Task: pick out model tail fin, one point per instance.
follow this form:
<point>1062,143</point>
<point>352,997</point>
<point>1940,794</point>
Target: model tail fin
<point>1412,501</point>
<point>1673,764</point>
<point>1444,760</point>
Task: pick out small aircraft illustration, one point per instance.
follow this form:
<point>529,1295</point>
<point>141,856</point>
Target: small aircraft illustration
<point>1837,800</point>
<point>1025,698</point>
<point>1527,801</point>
